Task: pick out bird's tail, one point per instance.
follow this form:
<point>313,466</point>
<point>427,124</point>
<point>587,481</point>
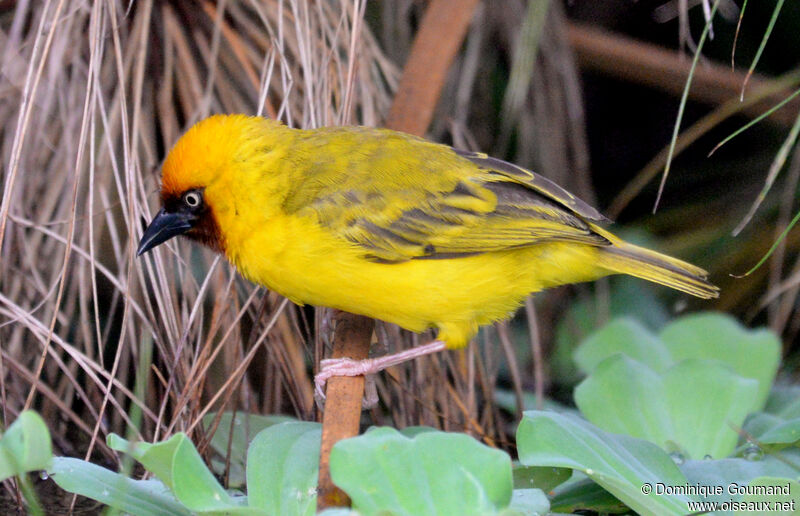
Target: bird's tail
<point>624,258</point>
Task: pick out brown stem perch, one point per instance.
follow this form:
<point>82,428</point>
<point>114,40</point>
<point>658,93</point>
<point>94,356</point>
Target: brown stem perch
<point>440,35</point>
<point>342,414</point>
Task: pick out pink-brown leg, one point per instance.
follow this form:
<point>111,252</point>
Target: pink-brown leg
<point>349,367</point>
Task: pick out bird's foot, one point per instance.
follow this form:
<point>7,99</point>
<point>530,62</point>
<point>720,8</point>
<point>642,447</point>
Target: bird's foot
<point>331,367</point>
<point>348,367</point>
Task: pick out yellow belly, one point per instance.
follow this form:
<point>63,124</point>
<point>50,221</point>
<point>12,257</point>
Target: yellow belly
<point>455,295</point>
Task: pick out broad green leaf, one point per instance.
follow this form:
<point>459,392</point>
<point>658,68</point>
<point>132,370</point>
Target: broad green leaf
<point>506,399</point>
<point>623,335</point>
<point>714,336</point>
<point>624,396</point>
<point>629,297</point>
<point>282,468</point>
<point>707,403</point>
<point>237,431</point>
<point>139,497</point>
<point>25,446</point>
<point>788,432</point>
<point>235,473</point>
<point>529,502</point>
<point>435,473</point>
<point>155,457</point>
<point>178,464</point>
<point>232,438</point>
<point>768,429</point>
<point>760,423</point>
<point>726,472</point>
<point>619,463</point>
<point>413,431</point>
<point>193,483</point>
<point>544,478</point>
<point>585,495</point>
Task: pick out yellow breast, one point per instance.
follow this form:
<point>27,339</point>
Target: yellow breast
<point>301,261</point>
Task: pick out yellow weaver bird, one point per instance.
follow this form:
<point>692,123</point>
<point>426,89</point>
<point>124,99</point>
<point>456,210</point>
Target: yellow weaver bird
<point>388,225</point>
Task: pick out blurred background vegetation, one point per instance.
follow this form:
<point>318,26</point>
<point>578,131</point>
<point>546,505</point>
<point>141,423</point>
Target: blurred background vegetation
<point>93,94</point>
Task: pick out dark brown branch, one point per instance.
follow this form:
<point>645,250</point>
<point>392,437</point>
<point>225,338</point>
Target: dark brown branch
<point>667,70</point>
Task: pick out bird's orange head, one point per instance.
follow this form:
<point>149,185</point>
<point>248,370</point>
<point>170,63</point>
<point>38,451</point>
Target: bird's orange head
<point>197,176</point>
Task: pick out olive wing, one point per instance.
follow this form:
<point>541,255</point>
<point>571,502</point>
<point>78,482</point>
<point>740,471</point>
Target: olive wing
<point>475,205</point>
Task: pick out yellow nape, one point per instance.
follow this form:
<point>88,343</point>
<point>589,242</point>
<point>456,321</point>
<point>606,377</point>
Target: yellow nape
<point>397,228</point>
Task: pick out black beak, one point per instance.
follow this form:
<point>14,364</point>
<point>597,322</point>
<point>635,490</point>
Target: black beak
<point>164,226</point>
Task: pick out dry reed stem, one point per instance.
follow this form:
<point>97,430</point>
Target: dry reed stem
<point>98,93</point>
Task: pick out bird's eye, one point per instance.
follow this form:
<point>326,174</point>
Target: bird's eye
<point>192,199</point>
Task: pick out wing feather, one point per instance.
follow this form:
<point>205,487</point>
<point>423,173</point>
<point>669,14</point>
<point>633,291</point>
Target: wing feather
<point>448,204</point>
<point>536,182</point>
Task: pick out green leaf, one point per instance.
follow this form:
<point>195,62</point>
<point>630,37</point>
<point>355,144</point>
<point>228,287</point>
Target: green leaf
<point>742,471</point>
<point>625,396</point>
<point>237,431</point>
<point>25,446</point>
<point>413,431</point>
<point>529,502</point>
<point>750,353</point>
<point>619,463</point>
<point>506,399</point>
<point>629,297</point>
<point>705,424</point>
<point>727,472</point>
<point>192,482</point>
<point>231,440</point>
<point>155,457</point>
<point>585,495</point>
<point>178,464</point>
<point>622,335</point>
<point>767,429</point>
<point>527,477</point>
<point>139,497</point>
<point>435,473</point>
<point>282,468</point>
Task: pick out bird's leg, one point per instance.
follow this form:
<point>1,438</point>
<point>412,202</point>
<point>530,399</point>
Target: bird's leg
<point>349,367</point>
